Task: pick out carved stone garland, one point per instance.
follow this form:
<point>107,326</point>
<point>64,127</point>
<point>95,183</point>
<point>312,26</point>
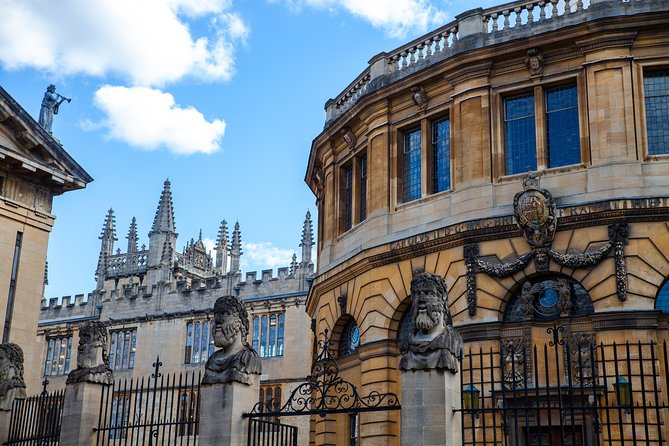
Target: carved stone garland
<point>534,210</point>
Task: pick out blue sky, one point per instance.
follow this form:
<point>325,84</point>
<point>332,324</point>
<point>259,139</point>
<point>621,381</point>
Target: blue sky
<point>222,96</point>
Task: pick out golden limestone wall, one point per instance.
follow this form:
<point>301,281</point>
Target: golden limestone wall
<point>617,181</point>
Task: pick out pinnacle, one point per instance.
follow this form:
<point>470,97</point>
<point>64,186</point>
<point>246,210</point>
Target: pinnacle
<point>164,220</point>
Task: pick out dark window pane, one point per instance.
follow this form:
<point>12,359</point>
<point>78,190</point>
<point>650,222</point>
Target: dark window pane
<point>363,188</point>
<point>656,89</point>
<point>564,146</point>
<point>521,148</point>
<point>662,299</point>
<point>441,155</point>
<point>411,166</point>
<point>348,197</point>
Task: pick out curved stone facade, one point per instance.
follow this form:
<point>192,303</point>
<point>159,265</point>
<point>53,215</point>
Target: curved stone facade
<point>492,90</point>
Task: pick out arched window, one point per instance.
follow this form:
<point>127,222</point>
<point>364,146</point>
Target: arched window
<point>350,339</point>
<point>545,298</point>
<point>662,299</point>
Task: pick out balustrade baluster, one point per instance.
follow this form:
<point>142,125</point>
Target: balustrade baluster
<point>579,5</point>
<point>428,47</point>
<point>553,8</point>
<point>517,10</point>
<point>567,7</point>
<point>412,56</point>
<point>405,60</point>
<point>506,13</point>
<point>530,16</point>
<point>494,16</point>
<point>542,10</point>
<point>454,32</point>
<point>419,52</point>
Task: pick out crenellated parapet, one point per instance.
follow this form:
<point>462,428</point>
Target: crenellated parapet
<point>67,307</point>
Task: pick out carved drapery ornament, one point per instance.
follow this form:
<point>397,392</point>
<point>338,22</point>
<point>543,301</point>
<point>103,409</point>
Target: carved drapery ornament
<point>535,213</point>
<point>517,361</point>
<point>581,358</point>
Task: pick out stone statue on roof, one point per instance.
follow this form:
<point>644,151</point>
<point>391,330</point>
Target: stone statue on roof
<point>50,106</point>
<point>236,361</point>
<point>433,342</point>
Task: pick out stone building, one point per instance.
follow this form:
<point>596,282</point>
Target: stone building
<point>34,167</point>
<point>424,165</point>
<point>157,301</point>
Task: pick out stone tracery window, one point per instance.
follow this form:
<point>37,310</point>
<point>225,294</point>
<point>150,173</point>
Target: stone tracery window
<point>546,298</point>
<point>268,334</point>
<point>58,355</point>
<point>199,342</point>
<point>122,348</point>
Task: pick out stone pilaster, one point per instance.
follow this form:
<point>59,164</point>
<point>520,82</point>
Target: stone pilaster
<point>81,412</point>
<point>221,409</point>
<point>428,400</point>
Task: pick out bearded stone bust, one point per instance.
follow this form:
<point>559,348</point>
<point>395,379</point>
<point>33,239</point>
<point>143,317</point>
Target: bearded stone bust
<point>12,385</point>
<point>92,358</point>
<point>433,342</point>
<point>236,361</point>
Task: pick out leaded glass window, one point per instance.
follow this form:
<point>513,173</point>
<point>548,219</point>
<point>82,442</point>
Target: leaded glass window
<point>363,188</point>
<point>122,346</point>
<point>521,144</point>
<point>662,299</point>
<point>656,90</point>
<point>564,147</point>
<point>350,339</point>
<point>348,197</point>
<point>199,341</point>
<point>411,171</point>
<point>268,334</point>
<point>441,155</point>
<point>58,353</point>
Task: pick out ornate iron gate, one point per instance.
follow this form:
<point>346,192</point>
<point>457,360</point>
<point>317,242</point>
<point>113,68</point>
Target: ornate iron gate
<point>159,410</point>
<point>324,392</point>
<point>569,391</point>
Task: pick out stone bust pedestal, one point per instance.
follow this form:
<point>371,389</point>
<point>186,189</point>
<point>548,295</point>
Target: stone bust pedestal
<point>231,381</point>
<point>429,365</point>
<point>12,386</point>
<point>85,384</point>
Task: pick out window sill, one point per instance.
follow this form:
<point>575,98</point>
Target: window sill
<point>659,157</point>
<point>550,171</point>
<point>425,199</point>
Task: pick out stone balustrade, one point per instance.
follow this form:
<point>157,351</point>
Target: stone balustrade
<point>480,27</point>
<point>520,13</point>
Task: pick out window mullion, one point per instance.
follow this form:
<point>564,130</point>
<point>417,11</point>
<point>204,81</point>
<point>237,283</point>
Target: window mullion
<point>541,133</point>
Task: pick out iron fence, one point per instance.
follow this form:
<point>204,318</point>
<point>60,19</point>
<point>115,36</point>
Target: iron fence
<point>158,410</point>
<point>568,391</point>
<point>36,420</point>
<point>265,432</point>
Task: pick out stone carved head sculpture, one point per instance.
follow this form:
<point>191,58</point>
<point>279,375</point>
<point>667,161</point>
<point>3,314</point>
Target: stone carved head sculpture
<point>433,342</point>
<point>92,359</point>
<point>236,361</point>
<point>12,385</point>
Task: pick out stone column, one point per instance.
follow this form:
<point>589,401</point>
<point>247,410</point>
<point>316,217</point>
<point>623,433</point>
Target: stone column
<point>81,411</point>
<point>221,409</point>
<point>428,400</point>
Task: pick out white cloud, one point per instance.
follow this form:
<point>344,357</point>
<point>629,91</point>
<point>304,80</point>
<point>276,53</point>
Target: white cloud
<point>264,255</point>
<point>147,42</point>
<point>150,119</point>
<point>396,17</point>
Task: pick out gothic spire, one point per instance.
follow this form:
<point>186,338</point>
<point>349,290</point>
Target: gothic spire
<point>164,220</point>
<point>235,249</point>
<point>222,247</point>
<point>107,237</point>
<point>132,237</point>
<point>307,240</point>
